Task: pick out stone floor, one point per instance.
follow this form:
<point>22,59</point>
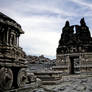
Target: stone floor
<point>81,83</point>
<point>71,83</point>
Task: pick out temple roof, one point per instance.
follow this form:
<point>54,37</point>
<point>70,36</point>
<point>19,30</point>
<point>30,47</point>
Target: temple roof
<point>75,38</point>
<point>7,20</point>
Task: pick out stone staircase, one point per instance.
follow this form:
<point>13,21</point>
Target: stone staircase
<point>49,77</point>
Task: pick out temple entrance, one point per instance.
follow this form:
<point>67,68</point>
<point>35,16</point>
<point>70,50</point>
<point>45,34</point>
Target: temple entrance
<point>74,65</point>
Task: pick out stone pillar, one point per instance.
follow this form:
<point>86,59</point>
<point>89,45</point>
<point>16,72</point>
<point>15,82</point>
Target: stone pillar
<point>69,64</point>
<point>0,37</point>
<point>18,41</point>
<point>82,63</point>
<point>7,36</point>
<point>15,40</point>
<point>3,35</point>
<point>11,36</point>
<point>80,60</point>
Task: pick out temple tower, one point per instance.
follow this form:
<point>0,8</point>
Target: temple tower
<point>74,52</point>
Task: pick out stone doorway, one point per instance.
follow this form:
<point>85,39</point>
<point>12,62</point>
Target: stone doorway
<point>74,65</point>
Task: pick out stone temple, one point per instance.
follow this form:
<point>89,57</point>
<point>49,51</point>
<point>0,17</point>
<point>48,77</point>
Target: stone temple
<point>12,57</point>
<point>74,52</point>
<point>14,74</point>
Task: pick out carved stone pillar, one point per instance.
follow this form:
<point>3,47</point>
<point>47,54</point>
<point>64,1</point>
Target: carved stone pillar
<point>7,34</point>
<point>80,60</point>
<point>69,64</point>
<point>82,64</point>
<point>0,34</point>
<point>0,37</point>
<point>3,36</point>
<point>15,40</point>
<point>18,41</point>
<point>11,38</point>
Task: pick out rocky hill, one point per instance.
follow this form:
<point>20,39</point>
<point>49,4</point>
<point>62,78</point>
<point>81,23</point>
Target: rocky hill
<point>38,59</point>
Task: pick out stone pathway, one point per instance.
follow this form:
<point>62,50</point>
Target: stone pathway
<point>75,83</point>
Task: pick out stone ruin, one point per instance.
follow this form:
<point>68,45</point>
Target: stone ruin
<point>75,42</point>
<point>74,52</point>
<point>13,66</point>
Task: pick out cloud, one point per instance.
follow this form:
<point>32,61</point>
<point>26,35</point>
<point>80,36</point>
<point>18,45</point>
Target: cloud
<point>42,21</point>
<point>42,36</point>
<point>85,7</point>
<point>42,42</point>
<point>35,7</point>
<point>82,2</point>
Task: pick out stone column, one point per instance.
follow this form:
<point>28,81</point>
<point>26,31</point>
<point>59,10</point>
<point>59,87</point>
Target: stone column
<point>0,37</point>
<point>69,64</point>
<point>15,40</point>
<point>7,36</point>
<point>80,61</point>
<point>10,39</point>
<point>18,41</point>
<point>3,35</point>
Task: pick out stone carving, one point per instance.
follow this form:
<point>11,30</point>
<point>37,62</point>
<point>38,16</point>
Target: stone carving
<point>6,78</point>
<point>78,41</point>
<point>12,57</point>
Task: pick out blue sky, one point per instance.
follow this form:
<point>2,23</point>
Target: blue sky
<point>42,21</point>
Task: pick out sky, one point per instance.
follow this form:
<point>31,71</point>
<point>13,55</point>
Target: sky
<point>42,21</point>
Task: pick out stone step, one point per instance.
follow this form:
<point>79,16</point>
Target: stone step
<point>73,77</point>
<point>49,79</point>
<point>51,82</point>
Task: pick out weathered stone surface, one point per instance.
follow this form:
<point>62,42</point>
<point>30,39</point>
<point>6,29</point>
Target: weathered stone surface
<point>77,83</point>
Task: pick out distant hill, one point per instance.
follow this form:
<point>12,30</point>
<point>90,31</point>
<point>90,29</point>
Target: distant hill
<point>38,59</point>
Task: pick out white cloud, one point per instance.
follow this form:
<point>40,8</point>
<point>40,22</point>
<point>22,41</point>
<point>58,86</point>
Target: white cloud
<point>82,2</point>
<point>41,35</point>
<point>42,42</point>
<point>85,9</point>
<point>42,21</point>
